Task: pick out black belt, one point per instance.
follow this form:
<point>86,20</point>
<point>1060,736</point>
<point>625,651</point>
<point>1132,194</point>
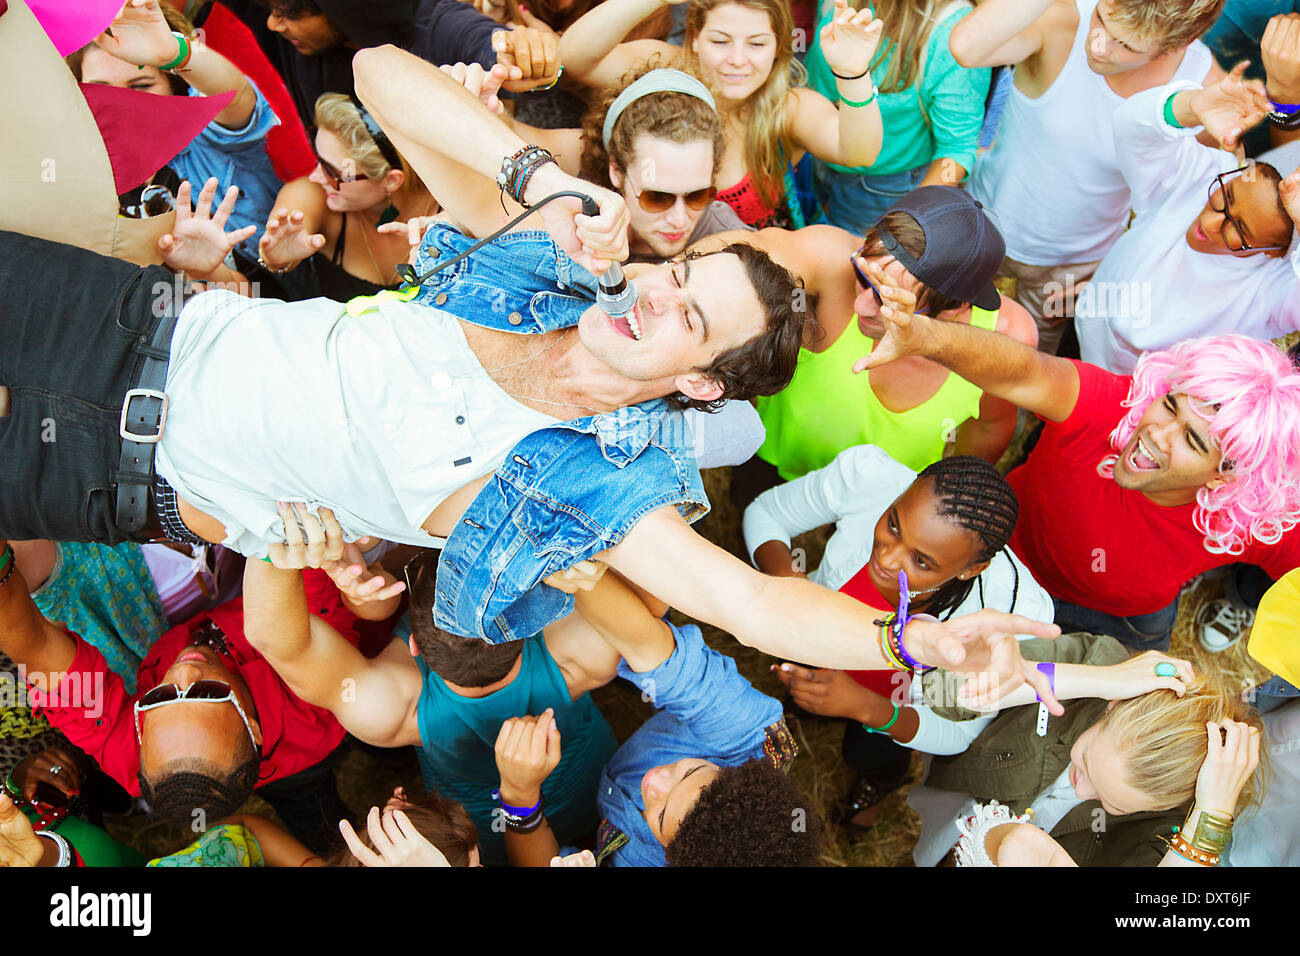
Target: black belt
<point>144,415</point>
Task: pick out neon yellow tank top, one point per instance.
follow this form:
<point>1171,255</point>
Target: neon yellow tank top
<point>826,409</point>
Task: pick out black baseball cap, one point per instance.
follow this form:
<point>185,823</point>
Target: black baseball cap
<point>963,249</point>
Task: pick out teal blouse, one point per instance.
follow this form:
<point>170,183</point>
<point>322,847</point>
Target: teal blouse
<point>949,94</point>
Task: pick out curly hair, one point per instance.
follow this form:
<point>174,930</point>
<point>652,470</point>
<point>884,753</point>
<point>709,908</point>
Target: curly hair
<point>667,115</point>
<point>1254,391</point>
<point>765,364</point>
<point>751,815</point>
<point>189,785</point>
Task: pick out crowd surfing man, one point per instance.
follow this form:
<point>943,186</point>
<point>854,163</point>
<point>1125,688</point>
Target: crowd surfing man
<point>717,326</point>
<point>1137,483</point>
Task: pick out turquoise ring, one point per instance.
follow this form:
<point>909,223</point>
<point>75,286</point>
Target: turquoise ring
<point>1166,669</point>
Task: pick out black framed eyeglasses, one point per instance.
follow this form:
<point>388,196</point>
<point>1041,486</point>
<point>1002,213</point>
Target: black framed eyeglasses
<point>1231,230</point>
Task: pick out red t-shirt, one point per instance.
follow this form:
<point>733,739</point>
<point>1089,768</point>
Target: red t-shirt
<point>295,734</point>
<point>860,587</point>
<point>1092,543</point>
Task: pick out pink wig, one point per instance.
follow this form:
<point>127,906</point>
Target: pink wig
<point>1257,426</point>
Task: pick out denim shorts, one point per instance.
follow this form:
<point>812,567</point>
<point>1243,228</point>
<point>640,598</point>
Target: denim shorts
<point>1140,632</point>
<point>71,325</point>
<point>856,202</point>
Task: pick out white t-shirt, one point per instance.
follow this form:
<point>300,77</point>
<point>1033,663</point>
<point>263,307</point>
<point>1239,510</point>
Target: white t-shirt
<point>853,491</point>
<point>1051,177</point>
<point>1153,290</point>
<point>378,416</point>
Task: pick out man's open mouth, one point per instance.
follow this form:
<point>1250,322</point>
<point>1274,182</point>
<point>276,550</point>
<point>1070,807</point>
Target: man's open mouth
<point>629,325</point>
<point>1142,458</point>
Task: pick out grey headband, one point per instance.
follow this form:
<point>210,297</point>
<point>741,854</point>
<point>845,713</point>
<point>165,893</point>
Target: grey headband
<point>656,81</point>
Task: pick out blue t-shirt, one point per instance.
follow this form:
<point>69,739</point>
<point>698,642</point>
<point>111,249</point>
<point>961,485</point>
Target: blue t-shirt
<point>458,736</point>
<point>236,157</point>
<point>706,710</point>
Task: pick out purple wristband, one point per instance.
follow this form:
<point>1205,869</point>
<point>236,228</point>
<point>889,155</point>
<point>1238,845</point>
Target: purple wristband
<point>1286,109</point>
<point>1050,670</point>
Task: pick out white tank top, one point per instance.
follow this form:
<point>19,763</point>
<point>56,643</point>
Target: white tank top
<point>1051,177</point>
<point>378,416</point>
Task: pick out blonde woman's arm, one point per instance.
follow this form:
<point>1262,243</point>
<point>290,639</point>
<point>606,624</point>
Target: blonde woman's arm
<point>592,49</point>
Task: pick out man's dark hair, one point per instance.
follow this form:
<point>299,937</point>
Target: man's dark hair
<point>442,822</point>
<point>751,815</point>
<point>765,364</point>
<point>291,9</point>
<point>904,227</point>
<point>182,786</point>
<point>1273,176</point>
<point>467,661</point>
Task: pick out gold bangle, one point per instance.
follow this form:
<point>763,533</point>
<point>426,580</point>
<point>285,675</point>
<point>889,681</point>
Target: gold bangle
<point>1211,834</point>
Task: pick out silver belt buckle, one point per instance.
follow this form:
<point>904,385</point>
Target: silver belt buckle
<point>126,433</point>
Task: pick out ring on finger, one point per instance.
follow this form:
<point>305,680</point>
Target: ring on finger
<point>301,528</point>
<point>57,768</point>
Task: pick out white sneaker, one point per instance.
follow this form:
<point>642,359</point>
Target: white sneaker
<point>1220,624</point>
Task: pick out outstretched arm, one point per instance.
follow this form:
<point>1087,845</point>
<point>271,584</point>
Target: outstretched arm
<point>794,619</point>
<point>140,35</point>
<point>1043,384</point>
<point>416,103</point>
<point>592,48</point>
<point>374,699</point>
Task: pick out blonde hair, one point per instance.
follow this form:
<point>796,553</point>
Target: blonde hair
<point>1163,739</point>
<point>336,113</point>
<point>1171,23</point>
<point>767,143</point>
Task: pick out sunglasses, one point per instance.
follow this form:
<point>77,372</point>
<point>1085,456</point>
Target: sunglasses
<point>154,201</point>
<point>205,691</point>
<point>336,176</point>
<point>413,570</point>
<point>654,200</point>
<point>48,802</point>
<point>867,283</point>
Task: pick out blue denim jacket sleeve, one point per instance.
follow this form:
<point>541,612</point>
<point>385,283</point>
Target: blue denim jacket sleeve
<point>564,494</point>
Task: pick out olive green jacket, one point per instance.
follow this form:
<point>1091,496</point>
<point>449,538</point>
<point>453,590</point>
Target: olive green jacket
<point>1010,763</point>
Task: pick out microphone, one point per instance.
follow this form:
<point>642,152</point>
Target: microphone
<point>615,295</point>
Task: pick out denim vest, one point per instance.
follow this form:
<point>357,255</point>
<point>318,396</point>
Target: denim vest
<point>565,492</point>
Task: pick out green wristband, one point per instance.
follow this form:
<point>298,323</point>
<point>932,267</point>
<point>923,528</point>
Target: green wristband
<point>6,557</point>
<point>181,56</point>
<point>1169,112</point>
<point>867,102</point>
<point>885,729</point>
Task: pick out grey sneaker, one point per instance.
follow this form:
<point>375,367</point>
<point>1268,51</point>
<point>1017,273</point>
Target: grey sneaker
<point>1220,624</point>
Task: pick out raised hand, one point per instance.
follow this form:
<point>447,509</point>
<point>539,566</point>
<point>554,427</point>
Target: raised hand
<point>54,766</point>
<point>584,858</point>
<point>905,331</point>
<point>983,648</point>
<point>1232,754</point>
<point>849,40</point>
<point>1230,107</point>
<point>357,582</point>
<point>198,242</point>
<point>396,840</point>
<point>592,242</point>
<point>1279,51</point>
<point>285,243</point>
<point>485,84</point>
<point>527,750</point>
<point>311,539</point>
<point>1289,189</point>
<point>530,55</point>
<point>139,35</point>
<point>19,844</point>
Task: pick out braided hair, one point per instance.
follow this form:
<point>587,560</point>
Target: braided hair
<point>976,497</point>
<point>187,785</point>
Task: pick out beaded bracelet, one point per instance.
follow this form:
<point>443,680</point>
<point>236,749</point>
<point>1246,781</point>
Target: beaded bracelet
<point>887,648</point>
